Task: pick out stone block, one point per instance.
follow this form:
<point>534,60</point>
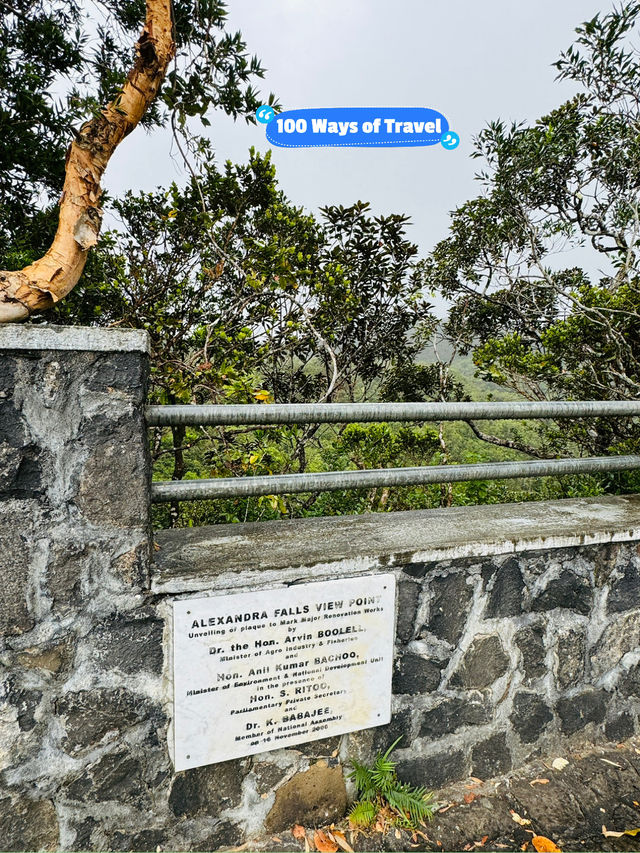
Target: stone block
<point>129,642</point>
<point>620,636</point>
<point>620,728</point>
<point>67,565</point>
<point>449,607</point>
<point>530,716</point>
<point>225,835</point>
<point>434,771</point>
<point>407,606</point>
<point>530,641</point>
<point>399,727</point>
<point>90,714</point>
<point>491,757</point>
<point>323,748</point>
<point>16,615</point>
<point>83,833</point>
<point>452,714</point>
<point>313,798</point>
<point>505,598</point>
<point>268,776</point>
<point>415,570</point>
<point>115,457</point>
<point>116,776</point>
<point>25,701</point>
<point>484,661</point>
<point>624,593</point>
<point>54,659</point>
<point>629,683</point>
<point>207,790</point>
<point>568,590</point>
<point>577,711</point>
<point>570,658</point>
<point>28,824</point>
<point>414,674</point>
<point>138,842</point>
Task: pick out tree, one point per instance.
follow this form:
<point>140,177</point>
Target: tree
<point>43,43</point>
<point>569,181</point>
<point>247,297</point>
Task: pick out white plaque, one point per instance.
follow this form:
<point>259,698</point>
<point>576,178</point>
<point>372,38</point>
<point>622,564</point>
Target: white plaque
<point>263,670</point>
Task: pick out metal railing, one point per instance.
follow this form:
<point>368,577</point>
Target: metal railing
<point>286,413</point>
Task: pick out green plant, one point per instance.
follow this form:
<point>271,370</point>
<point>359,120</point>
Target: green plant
<point>381,794</point>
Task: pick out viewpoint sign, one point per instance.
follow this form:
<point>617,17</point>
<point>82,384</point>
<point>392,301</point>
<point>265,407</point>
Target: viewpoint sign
<point>357,127</point>
<point>263,670</point>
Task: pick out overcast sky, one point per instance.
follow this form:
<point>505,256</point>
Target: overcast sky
<point>472,61</point>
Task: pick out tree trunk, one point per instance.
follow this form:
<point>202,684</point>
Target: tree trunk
<point>41,284</point>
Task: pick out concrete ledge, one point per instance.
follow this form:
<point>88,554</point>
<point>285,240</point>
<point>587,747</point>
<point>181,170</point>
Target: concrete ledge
<point>78,338</point>
<point>221,556</point>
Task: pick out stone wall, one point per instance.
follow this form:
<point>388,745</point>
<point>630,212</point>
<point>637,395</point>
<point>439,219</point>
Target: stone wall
<point>517,626</point>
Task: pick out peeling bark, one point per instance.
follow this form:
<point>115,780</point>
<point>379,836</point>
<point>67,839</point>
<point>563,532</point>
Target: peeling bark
<point>41,284</point>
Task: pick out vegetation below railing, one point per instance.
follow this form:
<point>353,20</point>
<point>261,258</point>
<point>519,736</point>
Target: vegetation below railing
<point>359,447</point>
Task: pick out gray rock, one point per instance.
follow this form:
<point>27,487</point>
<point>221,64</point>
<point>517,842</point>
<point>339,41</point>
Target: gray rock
<point>505,598</point>
<point>453,713</point>
<point>25,702</point>
<point>226,834</point>
<point>414,674</point>
<point>27,824</point>
<point>83,831</point>
<point>207,790</point>
<point>484,662</point>
<point>570,656</point>
<point>128,842</point>
<point>449,607</point>
<point>67,565</point>
<point>530,641</point>
<point>16,616</point>
<point>399,727</point>
<point>625,592</point>
<point>576,712</point>
<point>629,684</point>
<point>620,636</point>
<point>322,748</point>
<point>313,798</point>
<point>434,771</point>
<point>568,590</point>
<point>530,716</point>
<point>116,456</point>
<point>268,776</point>
<point>491,757</point>
<point>620,728</point>
<point>408,595</point>
<point>90,714</point>
<point>116,776</point>
<point>129,642</point>
<point>415,570</point>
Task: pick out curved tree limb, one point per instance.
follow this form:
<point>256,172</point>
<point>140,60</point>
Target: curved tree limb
<point>41,284</point>
<point>506,442</point>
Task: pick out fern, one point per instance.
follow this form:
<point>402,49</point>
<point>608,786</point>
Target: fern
<point>378,788</point>
<point>365,782</point>
<point>363,813</point>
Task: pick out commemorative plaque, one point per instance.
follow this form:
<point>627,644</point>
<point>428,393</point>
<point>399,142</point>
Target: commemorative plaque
<point>263,670</point>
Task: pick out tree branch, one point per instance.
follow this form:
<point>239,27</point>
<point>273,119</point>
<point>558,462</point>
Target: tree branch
<point>44,282</point>
<point>505,442</point>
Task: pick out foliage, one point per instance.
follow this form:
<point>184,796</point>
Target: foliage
<point>248,298</point>
<point>568,182</point>
<point>59,62</point>
<point>378,788</point>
